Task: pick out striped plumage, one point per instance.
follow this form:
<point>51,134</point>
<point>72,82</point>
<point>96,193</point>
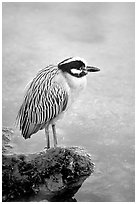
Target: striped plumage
<point>43,101</point>
<point>49,95</point>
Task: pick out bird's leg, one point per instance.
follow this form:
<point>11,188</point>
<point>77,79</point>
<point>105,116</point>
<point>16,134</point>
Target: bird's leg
<point>54,135</point>
<point>47,136</point>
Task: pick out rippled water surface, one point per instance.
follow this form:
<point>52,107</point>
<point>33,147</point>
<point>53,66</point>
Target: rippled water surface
<point>102,120</point>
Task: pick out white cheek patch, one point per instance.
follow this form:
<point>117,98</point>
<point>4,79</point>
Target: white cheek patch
<point>75,71</point>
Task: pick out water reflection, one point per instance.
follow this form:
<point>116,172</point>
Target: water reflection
<point>42,198</point>
<point>65,200</point>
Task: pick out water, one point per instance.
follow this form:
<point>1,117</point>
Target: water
<point>102,120</point>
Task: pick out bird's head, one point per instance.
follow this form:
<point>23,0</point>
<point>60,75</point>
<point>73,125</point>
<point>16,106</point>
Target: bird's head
<point>76,66</point>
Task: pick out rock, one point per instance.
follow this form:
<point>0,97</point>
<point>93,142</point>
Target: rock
<point>6,137</point>
<point>56,173</point>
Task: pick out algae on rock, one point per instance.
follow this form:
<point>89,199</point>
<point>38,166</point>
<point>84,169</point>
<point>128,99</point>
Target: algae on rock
<point>54,173</point>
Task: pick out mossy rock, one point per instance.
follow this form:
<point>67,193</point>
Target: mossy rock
<point>55,173</point>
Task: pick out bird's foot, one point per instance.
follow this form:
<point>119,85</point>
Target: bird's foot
<point>46,148</point>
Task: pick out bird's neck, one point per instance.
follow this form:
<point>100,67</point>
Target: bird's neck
<point>74,82</point>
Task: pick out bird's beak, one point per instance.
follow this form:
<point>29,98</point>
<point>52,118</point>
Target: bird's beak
<point>92,69</point>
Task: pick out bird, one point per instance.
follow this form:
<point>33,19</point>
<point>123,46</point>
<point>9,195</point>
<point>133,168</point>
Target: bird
<point>50,94</point>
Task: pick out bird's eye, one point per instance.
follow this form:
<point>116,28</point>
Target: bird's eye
<point>80,68</point>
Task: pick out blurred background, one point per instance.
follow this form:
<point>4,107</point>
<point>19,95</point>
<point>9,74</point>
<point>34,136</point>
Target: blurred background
<point>102,120</point>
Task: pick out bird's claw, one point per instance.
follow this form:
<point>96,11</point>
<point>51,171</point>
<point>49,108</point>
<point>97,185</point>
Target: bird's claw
<point>46,148</point>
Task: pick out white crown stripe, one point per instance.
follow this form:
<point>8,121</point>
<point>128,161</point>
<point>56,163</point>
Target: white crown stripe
<point>74,59</point>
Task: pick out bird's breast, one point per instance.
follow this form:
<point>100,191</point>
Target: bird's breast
<point>72,85</point>
<point>75,86</point>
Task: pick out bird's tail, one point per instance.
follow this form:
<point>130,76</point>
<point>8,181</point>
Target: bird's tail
<point>26,127</point>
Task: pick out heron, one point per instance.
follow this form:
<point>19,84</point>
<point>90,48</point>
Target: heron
<point>50,94</point>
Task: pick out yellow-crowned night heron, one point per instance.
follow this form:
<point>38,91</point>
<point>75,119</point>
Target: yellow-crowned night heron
<point>50,94</point>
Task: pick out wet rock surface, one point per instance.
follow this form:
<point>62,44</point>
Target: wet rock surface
<point>55,174</point>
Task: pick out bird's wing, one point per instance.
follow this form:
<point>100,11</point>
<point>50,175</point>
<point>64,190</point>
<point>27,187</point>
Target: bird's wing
<point>49,105</point>
<point>42,107</point>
